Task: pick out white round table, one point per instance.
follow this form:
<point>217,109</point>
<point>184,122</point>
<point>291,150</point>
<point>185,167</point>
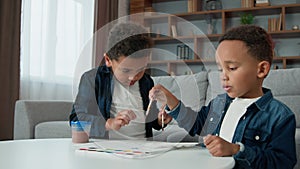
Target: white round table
<point>63,154</point>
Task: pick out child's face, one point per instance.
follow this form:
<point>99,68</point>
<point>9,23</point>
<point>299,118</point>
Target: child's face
<point>128,70</point>
<point>239,72</point>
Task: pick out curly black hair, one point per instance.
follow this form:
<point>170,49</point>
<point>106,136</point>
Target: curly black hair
<point>128,39</point>
<point>257,40</point>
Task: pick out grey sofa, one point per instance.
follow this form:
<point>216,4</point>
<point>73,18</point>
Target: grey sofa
<point>44,119</point>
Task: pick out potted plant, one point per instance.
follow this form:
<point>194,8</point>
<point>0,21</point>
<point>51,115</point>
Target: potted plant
<point>247,18</point>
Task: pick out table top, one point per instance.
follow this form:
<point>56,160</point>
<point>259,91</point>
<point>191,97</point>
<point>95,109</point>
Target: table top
<point>63,154</point>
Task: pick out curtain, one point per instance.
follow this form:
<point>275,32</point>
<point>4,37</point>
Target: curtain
<point>124,8</point>
<point>10,15</point>
<point>106,11</point>
<point>56,46</point>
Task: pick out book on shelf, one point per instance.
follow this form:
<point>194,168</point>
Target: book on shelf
<point>174,31</point>
<point>262,1</point>
<point>183,52</point>
<point>259,3</point>
<point>247,3</point>
<point>192,5</point>
<point>279,25</point>
<point>275,24</point>
<point>195,5</point>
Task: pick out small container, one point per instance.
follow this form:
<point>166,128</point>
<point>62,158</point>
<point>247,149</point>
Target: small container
<point>295,27</point>
<point>80,131</point>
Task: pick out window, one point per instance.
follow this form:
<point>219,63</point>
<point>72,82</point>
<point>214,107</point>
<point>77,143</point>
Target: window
<point>53,36</point>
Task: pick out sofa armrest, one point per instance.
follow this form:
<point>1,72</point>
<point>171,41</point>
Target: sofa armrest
<point>29,113</point>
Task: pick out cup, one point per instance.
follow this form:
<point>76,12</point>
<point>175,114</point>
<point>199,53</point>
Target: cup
<point>80,131</point>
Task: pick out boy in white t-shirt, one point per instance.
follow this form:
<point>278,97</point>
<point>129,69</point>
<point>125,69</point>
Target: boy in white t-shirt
<point>114,96</point>
<point>246,122</point>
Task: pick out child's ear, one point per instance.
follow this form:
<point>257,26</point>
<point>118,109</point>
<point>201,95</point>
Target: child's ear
<point>263,69</point>
<point>108,61</point>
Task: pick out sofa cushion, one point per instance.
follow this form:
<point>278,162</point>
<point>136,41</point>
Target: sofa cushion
<point>285,86</point>
<point>29,113</point>
<point>214,86</point>
<point>190,89</point>
<point>53,129</point>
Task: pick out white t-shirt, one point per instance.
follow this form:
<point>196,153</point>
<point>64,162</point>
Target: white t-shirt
<point>236,110</point>
<point>128,98</point>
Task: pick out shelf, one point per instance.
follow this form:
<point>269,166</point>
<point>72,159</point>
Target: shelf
<point>155,16</point>
<point>287,58</point>
<point>257,11</point>
<point>181,38</point>
<point>195,61</point>
<point>200,15</point>
<point>234,12</point>
<point>285,34</point>
<point>295,8</point>
<point>173,39</point>
<point>158,1</point>
<point>277,60</point>
<point>274,34</point>
<point>191,61</point>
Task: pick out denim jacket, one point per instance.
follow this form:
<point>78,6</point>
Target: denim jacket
<point>267,130</point>
<point>94,99</point>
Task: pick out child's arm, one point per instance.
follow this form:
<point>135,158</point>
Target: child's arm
<point>189,120</point>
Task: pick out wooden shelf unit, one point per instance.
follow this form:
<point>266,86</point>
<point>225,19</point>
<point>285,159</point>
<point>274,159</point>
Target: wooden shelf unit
<point>227,18</point>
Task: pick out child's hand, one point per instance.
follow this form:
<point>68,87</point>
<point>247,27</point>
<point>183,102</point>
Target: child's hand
<point>167,118</point>
<point>157,93</point>
<point>123,118</point>
<point>219,147</point>
<point>164,96</point>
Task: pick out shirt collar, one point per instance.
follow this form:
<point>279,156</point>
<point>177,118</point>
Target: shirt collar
<point>262,103</point>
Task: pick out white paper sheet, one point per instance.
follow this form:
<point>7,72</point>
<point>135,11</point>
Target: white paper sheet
<point>135,148</point>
